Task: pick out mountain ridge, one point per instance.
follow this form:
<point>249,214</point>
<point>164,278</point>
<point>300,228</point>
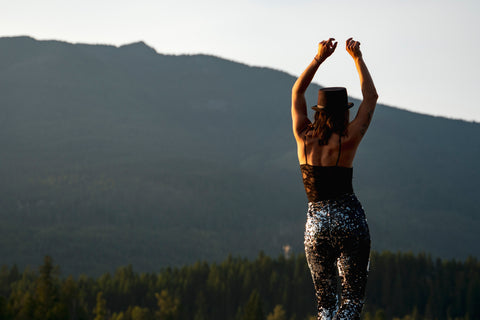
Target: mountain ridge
<point>142,43</point>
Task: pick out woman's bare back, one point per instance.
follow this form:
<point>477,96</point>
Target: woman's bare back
<point>327,155</point>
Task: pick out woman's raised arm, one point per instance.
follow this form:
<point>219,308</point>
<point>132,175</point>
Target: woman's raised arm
<point>359,125</point>
<point>299,105</point>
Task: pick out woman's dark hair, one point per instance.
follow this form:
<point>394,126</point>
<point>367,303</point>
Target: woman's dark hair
<point>327,122</point>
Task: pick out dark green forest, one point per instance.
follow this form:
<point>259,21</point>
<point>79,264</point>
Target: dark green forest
<point>401,286</point>
<point>117,155</point>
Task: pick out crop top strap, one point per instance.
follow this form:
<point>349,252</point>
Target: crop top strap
<point>339,149</point>
<point>305,147</point>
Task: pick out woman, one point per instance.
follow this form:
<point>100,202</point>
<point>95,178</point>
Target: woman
<point>336,231</point>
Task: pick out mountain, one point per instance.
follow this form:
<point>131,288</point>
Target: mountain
<point>118,155</point>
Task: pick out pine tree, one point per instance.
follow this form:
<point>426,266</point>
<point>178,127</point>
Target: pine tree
<point>101,307</point>
<point>139,313</point>
<point>253,309</point>
<point>27,310</point>
<point>167,306</point>
<point>201,307</point>
<point>48,306</point>
<point>70,299</point>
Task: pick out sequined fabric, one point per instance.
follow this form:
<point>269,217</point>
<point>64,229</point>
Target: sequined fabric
<point>337,237</point>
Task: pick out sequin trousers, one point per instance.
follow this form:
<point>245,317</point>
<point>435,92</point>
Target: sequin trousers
<point>337,236</point>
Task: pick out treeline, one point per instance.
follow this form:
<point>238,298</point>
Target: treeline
<point>401,286</point>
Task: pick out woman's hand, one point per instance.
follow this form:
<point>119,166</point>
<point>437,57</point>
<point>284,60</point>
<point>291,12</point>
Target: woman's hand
<point>325,49</point>
<point>353,48</point>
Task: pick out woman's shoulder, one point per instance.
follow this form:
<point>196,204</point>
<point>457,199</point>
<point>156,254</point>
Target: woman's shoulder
<point>349,138</point>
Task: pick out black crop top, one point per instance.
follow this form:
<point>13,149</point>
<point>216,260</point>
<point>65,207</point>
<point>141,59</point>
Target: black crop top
<point>322,183</point>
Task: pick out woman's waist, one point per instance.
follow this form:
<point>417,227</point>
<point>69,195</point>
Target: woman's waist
<point>327,190</point>
<point>341,200</point>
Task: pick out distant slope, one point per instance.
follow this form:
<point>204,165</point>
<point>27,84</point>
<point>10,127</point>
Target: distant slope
<point>110,156</point>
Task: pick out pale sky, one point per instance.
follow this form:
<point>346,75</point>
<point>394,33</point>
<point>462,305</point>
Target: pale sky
<point>424,56</point>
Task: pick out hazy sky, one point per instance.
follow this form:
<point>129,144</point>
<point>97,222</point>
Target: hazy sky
<point>424,56</point>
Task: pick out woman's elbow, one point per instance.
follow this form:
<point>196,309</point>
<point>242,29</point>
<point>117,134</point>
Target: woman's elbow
<point>296,92</point>
<point>371,96</point>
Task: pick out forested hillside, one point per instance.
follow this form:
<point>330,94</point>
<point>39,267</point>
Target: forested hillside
<point>117,155</point>
<point>401,286</point>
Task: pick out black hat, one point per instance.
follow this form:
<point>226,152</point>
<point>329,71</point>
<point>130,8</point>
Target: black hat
<point>332,99</point>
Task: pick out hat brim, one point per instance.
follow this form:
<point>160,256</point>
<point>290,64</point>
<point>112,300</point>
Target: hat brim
<point>319,107</point>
